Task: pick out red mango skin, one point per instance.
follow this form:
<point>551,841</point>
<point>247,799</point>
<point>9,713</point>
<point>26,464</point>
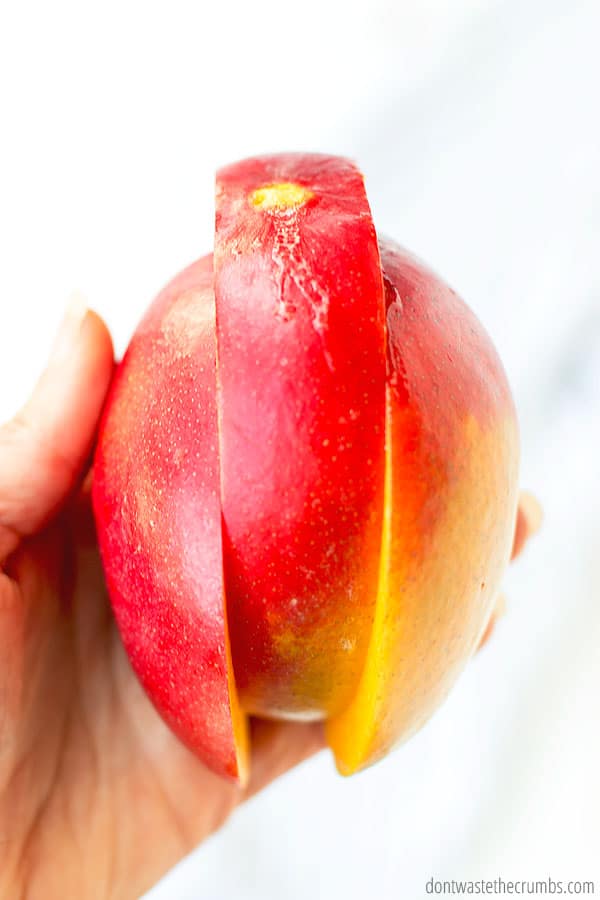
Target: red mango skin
<point>450,508</point>
<point>156,495</point>
<point>301,363</point>
<point>321,431</point>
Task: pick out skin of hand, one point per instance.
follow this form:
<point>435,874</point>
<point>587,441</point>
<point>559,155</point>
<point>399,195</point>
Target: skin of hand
<point>97,797</point>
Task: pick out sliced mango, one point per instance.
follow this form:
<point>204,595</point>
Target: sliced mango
<point>450,499</point>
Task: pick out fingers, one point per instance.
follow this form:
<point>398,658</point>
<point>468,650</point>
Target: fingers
<point>44,448</point>
<point>497,613</point>
<point>278,747</point>
<point>529,521</point>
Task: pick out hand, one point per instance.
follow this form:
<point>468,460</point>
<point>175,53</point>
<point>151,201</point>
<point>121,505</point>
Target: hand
<point>529,520</point>
<point>97,797</point>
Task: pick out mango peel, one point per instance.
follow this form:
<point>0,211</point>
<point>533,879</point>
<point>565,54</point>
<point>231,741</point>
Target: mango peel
<point>305,483</point>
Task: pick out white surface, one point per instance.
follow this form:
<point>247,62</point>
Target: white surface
<point>477,126</point>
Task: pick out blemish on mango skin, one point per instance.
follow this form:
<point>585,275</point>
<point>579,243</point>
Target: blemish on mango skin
<point>282,200</point>
<point>283,195</point>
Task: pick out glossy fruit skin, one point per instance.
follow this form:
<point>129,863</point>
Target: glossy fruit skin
<point>305,483</point>
<point>450,507</point>
<point>156,496</point>
<point>300,324</point>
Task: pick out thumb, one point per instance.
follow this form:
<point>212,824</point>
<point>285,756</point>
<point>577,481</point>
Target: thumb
<point>44,448</point>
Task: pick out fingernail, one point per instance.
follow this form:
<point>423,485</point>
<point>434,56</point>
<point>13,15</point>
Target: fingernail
<point>69,328</point>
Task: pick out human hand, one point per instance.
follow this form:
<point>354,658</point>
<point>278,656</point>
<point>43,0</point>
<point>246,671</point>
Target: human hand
<point>528,522</point>
<point>97,797</point>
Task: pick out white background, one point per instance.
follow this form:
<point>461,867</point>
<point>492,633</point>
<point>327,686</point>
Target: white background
<point>477,126</point>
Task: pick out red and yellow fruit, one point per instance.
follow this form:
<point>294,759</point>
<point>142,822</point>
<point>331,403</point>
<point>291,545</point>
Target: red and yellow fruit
<point>306,478</point>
